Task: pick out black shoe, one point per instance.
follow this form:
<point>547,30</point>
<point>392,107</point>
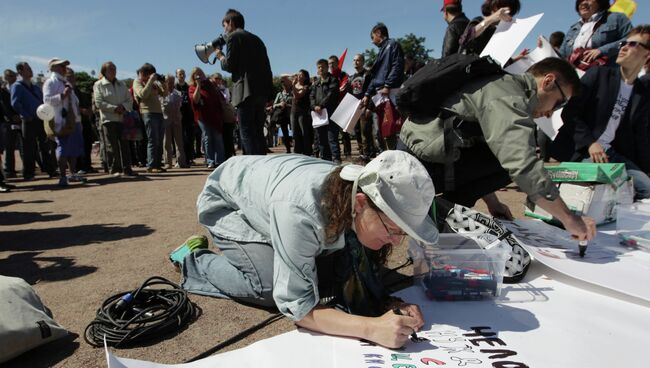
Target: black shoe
<point>7,185</point>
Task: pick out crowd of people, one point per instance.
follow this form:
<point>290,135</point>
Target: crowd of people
<point>271,236</point>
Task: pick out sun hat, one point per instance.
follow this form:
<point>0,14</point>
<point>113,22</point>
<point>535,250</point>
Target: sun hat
<point>57,61</point>
<point>399,185</point>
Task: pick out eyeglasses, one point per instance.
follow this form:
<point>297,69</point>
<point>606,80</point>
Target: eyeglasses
<point>564,101</point>
<point>397,235</point>
<point>633,44</point>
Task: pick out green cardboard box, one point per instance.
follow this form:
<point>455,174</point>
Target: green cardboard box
<point>583,172</point>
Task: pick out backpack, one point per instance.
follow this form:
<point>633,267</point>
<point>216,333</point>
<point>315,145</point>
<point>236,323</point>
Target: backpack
<point>423,94</point>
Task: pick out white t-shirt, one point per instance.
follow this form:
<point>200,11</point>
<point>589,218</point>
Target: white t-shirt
<point>622,100</point>
<point>583,39</point>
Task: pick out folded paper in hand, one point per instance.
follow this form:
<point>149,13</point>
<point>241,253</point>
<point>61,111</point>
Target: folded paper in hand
<point>319,120</point>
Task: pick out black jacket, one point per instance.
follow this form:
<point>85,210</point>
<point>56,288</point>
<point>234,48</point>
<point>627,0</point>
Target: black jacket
<point>455,29</point>
<point>589,114</point>
<point>325,93</point>
<point>249,64</point>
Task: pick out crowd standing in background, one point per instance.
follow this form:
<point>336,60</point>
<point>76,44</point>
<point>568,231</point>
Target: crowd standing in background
<point>163,122</point>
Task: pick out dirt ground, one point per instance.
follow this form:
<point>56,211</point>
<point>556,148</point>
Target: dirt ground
<point>78,246</point>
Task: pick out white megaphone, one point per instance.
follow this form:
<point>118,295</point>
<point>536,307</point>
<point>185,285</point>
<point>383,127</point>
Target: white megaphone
<point>204,50</point>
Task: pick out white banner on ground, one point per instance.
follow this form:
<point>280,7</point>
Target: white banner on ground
<point>539,323</point>
<point>508,37</point>
<point>607,263</point>
<point>348,113</point>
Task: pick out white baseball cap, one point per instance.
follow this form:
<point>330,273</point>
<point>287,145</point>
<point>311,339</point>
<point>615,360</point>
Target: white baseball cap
<point>57,61</point>
<point>401,187</point>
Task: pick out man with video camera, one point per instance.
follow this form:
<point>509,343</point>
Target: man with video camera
<point>247,61</point>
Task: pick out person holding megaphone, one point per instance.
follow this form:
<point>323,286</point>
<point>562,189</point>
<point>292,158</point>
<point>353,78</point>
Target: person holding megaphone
<point>247,60</point>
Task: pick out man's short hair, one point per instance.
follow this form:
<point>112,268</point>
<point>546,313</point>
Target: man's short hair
<point>642,29</point>
<point>336,58</point>
<point>514,5</point>
<point>564,71</point>
<point>602,5</point>
<point>381,28</point>
<point>321,61</point>
<point>104,67</point>
<point>147,69</point>
<point>360,56</point>
<point>9,72</point>
<point>20,66</point>
<point>556,39</point>
<point>454,9</point>
<point>234,17</point>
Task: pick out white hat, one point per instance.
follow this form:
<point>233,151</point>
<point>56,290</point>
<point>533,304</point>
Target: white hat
<point>57,61</point>
<point>401,187</point>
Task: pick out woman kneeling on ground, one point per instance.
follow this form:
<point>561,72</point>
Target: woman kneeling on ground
<point>295,231</point>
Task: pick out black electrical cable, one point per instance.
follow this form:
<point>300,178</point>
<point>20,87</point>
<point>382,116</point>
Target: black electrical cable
<point>129,318</point>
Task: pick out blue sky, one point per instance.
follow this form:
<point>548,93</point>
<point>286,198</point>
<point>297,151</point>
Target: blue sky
<point>164,32</point>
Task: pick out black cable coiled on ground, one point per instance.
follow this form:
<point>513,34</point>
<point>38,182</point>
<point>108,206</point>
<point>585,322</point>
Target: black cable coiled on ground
<point>129,318</point>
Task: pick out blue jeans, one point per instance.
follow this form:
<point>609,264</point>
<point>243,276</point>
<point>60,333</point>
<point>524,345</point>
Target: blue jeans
<point>251,125</point>
<point>640,179</point>
<point>215,153</point>
<point>154,123</point>
<point>243,271</point>
<point>328,141</point>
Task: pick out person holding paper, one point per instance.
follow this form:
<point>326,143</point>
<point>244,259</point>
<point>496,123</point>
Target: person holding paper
<point>611,116</point>
<point>324,97</point>
<point>295,231</point>
<point>480,29</point>
<point>387,73</point>
<point>493,117</point>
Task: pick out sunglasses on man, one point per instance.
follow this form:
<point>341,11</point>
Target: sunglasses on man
<point>633,44</point>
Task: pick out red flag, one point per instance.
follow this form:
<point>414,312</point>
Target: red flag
<point>342,58</point>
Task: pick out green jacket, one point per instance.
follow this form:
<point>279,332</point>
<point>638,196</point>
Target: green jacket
<point>503,109</point>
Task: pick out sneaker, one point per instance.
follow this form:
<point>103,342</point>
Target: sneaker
<point>4,189</point>
<point>116,175</point>
<point>130,174</point>
<point>77,179</point>
<point>63,181</point>
<point>194,242</point>
<point>82,172</point>
<point>162,169</point>
<point>153,170</point>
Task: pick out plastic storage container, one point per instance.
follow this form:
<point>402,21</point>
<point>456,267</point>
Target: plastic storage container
<point>458,268</point>
<point>633,225</point>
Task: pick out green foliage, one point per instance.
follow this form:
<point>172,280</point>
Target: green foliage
<point>411,45</point>
<point>85,82</point>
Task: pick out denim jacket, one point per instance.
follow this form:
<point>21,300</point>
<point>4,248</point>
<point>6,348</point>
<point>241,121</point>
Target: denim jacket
<point>606,37</point>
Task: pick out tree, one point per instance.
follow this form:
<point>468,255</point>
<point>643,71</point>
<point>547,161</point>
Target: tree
<point>411,45</point>
<point>85,82</point>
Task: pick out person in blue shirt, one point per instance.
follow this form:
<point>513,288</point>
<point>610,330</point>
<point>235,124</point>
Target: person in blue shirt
<point>26,97</point>
<point>277,220</point>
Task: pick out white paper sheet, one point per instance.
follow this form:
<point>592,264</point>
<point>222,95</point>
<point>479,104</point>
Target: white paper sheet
<point>348,113</point>
<point>551,126</point>
<point>392,96</point>
<point>540,323</point>
<point>606,263</point>
<point>508,37</point>
<point>535,56</point>
<point>319,120</point>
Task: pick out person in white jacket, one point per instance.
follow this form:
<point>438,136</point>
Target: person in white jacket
<point>58,93</point>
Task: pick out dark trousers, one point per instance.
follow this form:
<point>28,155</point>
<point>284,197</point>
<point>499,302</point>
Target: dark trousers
<point>476,173</point>
<point>85,162</point>
<point>328,141</point>
<point>347,144</point>
<point>117,148</point>
<point>12,141</point>
<point>286,138</point>
<point>303,132</point>
<point>229,139</point>
<point>251,125</point>
<point>36,147</point>
<point>365,138</point>
<point>188,137</point>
